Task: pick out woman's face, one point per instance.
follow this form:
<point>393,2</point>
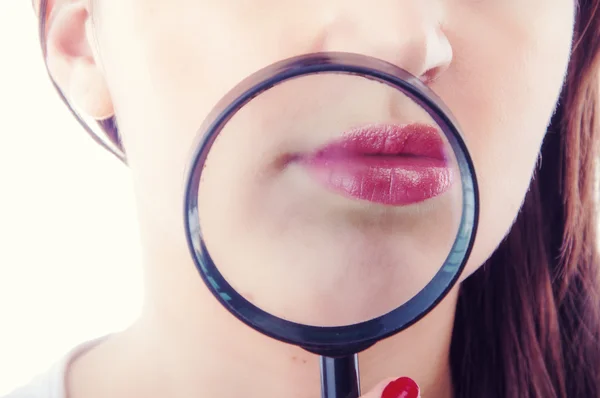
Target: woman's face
<point>497,65</point>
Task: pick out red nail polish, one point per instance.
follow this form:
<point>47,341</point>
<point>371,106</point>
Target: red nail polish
<point>404,387</point>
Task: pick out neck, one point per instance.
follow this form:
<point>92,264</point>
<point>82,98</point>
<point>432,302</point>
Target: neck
<point>186,345</point>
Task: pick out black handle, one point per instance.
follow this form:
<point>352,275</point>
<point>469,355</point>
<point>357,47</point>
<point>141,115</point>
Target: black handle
<point>339,377</point>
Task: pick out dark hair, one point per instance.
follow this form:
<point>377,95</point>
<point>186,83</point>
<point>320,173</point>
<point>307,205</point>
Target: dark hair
<point>528,321</point>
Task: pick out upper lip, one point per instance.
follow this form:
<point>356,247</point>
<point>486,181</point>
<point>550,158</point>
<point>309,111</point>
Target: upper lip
<point>388,140</point>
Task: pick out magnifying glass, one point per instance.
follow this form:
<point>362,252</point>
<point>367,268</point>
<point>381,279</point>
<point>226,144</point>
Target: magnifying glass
<point>331,202</point>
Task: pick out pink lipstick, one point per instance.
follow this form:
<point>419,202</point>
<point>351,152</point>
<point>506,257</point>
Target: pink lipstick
<point>395,165</point>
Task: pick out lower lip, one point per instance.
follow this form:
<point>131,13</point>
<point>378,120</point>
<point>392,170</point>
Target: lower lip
<point>360,167</point>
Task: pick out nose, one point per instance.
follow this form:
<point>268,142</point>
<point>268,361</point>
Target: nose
<point>406,33</point>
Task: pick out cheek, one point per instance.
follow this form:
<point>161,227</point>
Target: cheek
<point>503,88</point>
<point>167,69</point>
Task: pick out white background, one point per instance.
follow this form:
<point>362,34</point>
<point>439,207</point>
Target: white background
<point>69,254</point>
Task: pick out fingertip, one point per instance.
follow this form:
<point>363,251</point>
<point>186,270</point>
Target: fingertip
<point>403,387</point>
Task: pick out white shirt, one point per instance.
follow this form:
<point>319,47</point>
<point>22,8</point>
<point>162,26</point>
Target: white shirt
<point>51,384</point>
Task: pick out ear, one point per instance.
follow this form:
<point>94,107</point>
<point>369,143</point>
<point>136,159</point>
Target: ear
<point>72,60</point>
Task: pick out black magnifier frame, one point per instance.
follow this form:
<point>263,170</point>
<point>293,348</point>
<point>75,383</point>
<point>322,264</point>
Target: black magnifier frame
<point>338,341</point>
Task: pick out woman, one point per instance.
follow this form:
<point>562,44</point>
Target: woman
<point>521,78</point>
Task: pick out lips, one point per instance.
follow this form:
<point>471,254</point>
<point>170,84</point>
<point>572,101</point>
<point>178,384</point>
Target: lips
<point>394,165</point>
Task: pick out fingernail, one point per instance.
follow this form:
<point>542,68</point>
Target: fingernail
<point>404,387</point>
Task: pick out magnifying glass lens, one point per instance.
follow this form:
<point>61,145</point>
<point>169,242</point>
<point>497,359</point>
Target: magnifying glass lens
<point>330,200</point>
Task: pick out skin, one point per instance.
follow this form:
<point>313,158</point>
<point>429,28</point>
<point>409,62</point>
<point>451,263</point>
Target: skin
<point>161,66</point>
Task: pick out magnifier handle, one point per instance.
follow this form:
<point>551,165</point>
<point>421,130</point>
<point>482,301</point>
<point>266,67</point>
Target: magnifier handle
<point>339,377</point>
